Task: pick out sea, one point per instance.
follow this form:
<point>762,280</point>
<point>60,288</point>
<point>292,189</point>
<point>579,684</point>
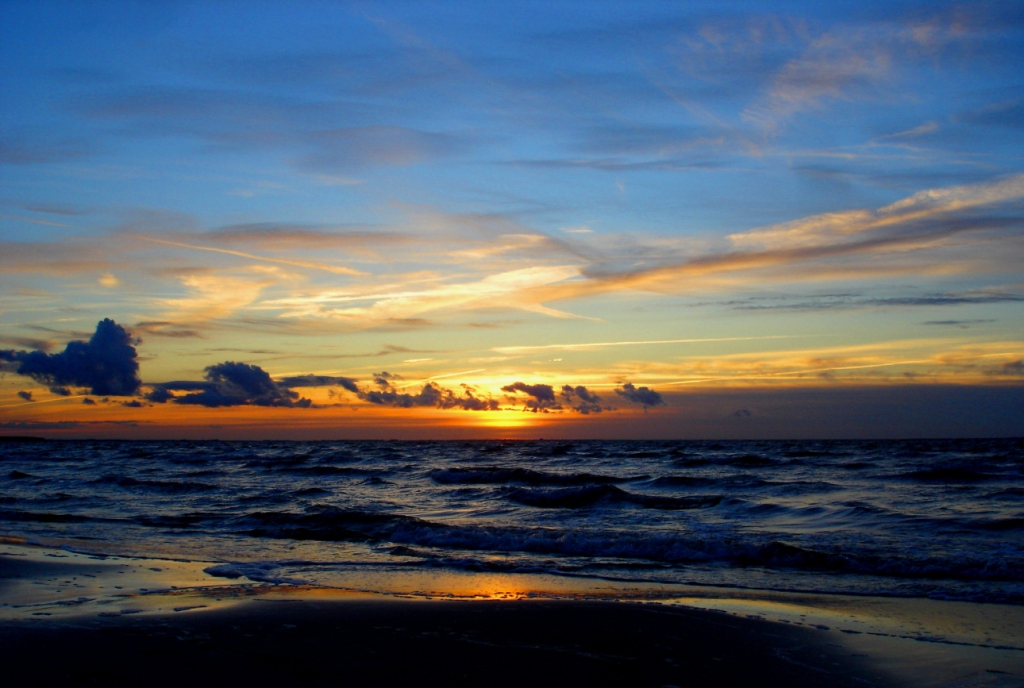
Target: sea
<point>916,518</point>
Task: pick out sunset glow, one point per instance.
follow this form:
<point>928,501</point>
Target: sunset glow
<point>628,220</point>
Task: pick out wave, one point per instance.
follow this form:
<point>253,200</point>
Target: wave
<point>328,470</point>
<point>48,517</point>
<point>158,485</point>
<point>188,520</point>
<point>1015,523</point>
<point>579,497</point>
<point>753,461</point>
<point>264,461</point>
<point>498,475</point>
<point>309,492</point>
<point>333,524</point>
<point>948,475</point>
<point>682,481</point>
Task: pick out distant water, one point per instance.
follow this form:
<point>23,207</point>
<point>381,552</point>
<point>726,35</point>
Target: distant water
<point>925,518</point>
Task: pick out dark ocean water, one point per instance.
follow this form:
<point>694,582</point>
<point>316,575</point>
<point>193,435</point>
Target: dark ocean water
<point>942,518</point>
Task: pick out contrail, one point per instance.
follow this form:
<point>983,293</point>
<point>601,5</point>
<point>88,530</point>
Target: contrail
<point>44,401</point>
<point>297,263</point>
<point>37,222</point>
<point>792,372</point>
<point>569,347</point>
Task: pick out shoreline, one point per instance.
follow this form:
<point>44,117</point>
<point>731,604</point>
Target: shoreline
<point>50,595</point>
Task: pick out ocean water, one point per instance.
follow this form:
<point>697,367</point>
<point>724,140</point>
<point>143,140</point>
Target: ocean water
<point>938,518</point>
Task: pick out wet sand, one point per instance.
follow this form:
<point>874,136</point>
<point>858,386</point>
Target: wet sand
<point>81,620</point>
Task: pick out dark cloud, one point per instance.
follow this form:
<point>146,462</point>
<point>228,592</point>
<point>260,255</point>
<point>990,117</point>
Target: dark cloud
<point>400,324</point>
<point>581,400</point>
<point>30,343</point>
<point>106,364</point>
<point>431,395</point>
<point>230,384</point>
<point>852,301</point>
<point>159,395</point>
<point>1013,367</point>
<point>962,324</point>
<point>134,403</point>
<point>541,398</point>
<point>319,381</point>
<point>383,379</point>
<point>639,395</point>
<point>88,402</point>
<point>469,401</point>
<point>27,396</point>
<point>161,328</point>
<point>34,425</point>
<point>61,391</point>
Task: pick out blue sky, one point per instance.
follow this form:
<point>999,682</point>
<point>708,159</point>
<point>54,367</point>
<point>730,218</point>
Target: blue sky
<point>682,196</point>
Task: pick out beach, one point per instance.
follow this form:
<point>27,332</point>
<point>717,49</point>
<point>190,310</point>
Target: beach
<point>81,619</point>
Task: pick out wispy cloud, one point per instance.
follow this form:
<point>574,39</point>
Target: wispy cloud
<point>283,261</point>
<point>499,290</point>
<point>925,206</point>
<point>213,297</point>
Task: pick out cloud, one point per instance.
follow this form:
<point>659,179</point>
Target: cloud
<point>1013,367</point>
<point>924,207</point>
<point>355,147</point>
<point>431,395</point>
<point>1006,114</point>
<point>834,66</point>
<point>30,343</point>
<point>213,297</point>
<point>319,381</point>
<point>27,396</point>
<point>164,328</point>
<point>962,324</point>
<point>67,256</point>
<point>582,400</point>
<point>851,301</point>
<point>353,239</point>
<point>338,270</point>
<point>230,384</point>
<point>106,364</point>
<point>964,229</point>
<point>375,305</point>
<point>27,149</point>
<point>597,345</point>
<point>160,394</point>
<point>541,398</point>
<point>639,395</point>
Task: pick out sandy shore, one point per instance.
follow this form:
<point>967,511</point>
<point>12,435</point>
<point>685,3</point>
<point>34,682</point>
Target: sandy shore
<point>83,620</point>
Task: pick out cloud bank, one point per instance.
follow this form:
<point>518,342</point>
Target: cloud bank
<point>230,384</point>
<point>431,395</point>
<point>105,365</point>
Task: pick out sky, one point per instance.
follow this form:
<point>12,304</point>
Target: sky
<point>319,220</point>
